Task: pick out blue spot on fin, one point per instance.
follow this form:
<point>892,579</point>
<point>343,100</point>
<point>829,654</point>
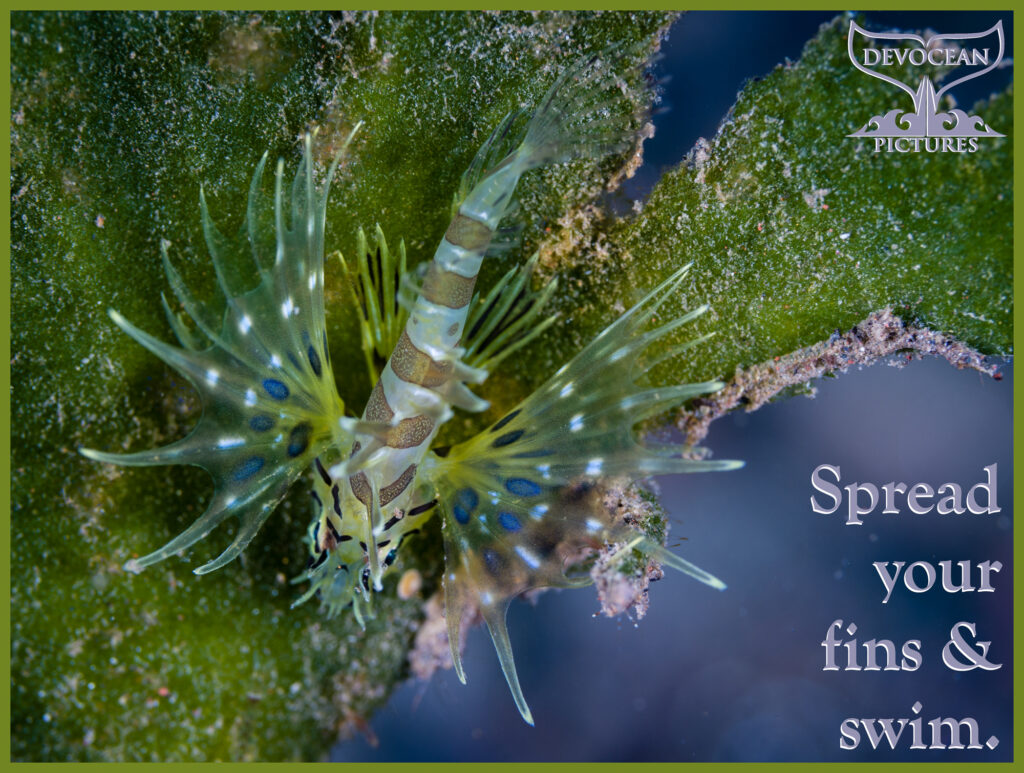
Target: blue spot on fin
<point>261,423</point>
<point>468,498</point>
<point>509,522</point>
<point>248,468</point>
<point>507,438</point>
<point>522,487</point>
<point>314,361</point>
<point>276,389</point>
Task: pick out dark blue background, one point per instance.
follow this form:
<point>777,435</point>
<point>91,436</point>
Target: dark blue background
<point>737,675</point>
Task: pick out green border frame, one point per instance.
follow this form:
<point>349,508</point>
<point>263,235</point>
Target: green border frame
<point>1018,326</point>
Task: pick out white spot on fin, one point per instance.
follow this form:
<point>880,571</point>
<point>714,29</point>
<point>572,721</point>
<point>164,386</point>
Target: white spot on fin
<point>531,560</point>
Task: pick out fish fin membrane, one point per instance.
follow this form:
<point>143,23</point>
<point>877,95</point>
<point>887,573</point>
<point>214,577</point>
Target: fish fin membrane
<point>507,318</point>
<point>258,359</point>
<point>377,278</point>
<point>517,500</point>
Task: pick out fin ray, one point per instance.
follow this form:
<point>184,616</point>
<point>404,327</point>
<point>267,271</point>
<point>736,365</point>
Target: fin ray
<point>496,624</point>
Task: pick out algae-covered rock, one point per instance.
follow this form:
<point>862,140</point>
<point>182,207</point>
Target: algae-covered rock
<point>797,231</point>
<point>117,118</point>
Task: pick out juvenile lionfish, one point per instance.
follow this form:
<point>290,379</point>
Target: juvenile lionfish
<point>510,498</point>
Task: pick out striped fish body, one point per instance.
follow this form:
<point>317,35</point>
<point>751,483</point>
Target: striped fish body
<point>381,504</point>
<point>424,376</point>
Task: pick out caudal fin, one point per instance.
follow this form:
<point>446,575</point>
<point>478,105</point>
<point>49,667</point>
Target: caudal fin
<point>586,112</point>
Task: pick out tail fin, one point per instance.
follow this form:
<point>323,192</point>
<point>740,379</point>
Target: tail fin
<point>586,112</point>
